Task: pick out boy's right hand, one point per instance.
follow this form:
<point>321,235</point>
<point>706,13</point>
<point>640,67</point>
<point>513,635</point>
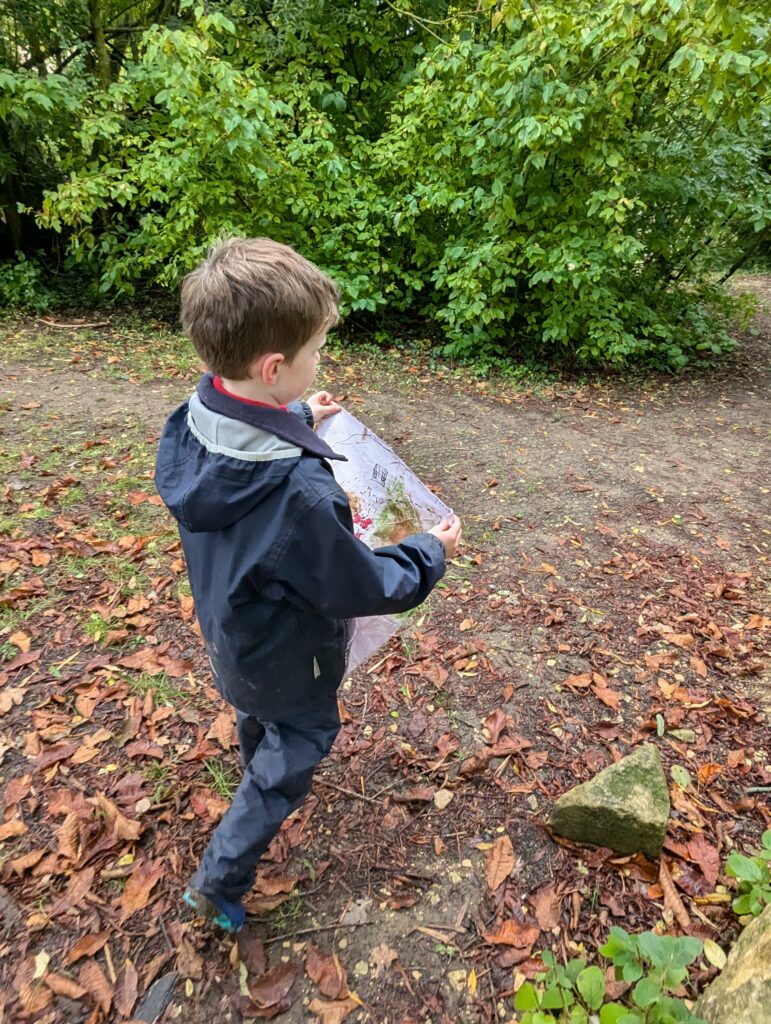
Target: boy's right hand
<point>449,533</point>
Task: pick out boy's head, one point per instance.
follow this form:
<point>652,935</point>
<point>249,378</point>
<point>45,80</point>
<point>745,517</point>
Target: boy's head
<point>253,297</point>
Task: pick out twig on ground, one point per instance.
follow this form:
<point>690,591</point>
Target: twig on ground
<point>318,928</point>
<point>347,792</point>
<point>74,327</point>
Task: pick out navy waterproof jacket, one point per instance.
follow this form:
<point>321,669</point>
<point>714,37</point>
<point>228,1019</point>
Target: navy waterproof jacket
<point>268,538</point>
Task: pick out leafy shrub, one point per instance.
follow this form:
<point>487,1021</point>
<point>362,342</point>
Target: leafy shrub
<point>568,179</point>
<point>21,285</point>
<point>754,877</point>
<point>654,964</point>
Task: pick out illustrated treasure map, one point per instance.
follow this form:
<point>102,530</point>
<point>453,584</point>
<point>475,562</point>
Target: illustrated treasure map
<point>388,503</point>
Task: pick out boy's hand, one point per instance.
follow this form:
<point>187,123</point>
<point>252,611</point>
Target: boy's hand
<point>449,533</point>
<point>322,405</point>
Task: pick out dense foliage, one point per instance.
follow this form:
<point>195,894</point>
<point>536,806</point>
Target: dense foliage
<point>570,177</point>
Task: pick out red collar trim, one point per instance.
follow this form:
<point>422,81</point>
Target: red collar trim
<point>217,382</point>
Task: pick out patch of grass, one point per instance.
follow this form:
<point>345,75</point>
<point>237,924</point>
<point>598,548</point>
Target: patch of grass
<point>161,775</point>
<point>96,626</point>
<point>223,779</point>
<point>165,691</point>
<point>289,910</point>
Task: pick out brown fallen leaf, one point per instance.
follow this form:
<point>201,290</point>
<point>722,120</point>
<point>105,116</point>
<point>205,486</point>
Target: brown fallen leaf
<point>512,933</point>
<point>273,987</point>
<point>251,952</point>
<point>499,862</point>
<point>706,856</point>
<point>546,904</point>
<point>22,641</point>
<point>189,963</point>
<point>126,989</point>
<point>139,886</point>
<point>14,827</point>
<point>332,1013</point>
<point>327,972</point>
<point>684,640</point>
<point>33,996</point>
<point>28,860</point>
<point>608,697</point>
<point>64,986</point>
<point>87,945</point>
<point>382,957</point>
<point>93,979</point>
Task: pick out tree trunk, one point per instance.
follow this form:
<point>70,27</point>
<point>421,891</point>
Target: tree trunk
<point>102,54</point>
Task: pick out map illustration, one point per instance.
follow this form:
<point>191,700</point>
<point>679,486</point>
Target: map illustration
<point>388,503</point>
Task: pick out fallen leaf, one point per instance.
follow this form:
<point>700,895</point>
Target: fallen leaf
<point>139,886</point>
<point>714,954</point>
<point>684,640</point>
<point>546,904</point>
<point>93,979</point>
<point>706,856</point>
<point>126,989</point>
<point>223,730</point>
<point>467,624</point>
<point>20,640</point>
<point>382,957</point>
<point>273,987</point>
<point>189,963</point>
<point>608,697</point>
<point>499,862</point>
<point>15,827</point>
<point>511,933</point>
<point>332,1013</point>
<point>87,945</point>
<point>64,986</point>
<point>251,952</point>
<point>327,972</point>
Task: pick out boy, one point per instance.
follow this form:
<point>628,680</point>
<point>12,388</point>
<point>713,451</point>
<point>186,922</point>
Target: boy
<point>268,538</point>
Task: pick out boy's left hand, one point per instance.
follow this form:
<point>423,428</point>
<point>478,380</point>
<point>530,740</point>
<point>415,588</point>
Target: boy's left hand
<point>322,405</point>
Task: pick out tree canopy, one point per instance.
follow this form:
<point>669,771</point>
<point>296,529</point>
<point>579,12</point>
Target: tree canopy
<point>572,178</point>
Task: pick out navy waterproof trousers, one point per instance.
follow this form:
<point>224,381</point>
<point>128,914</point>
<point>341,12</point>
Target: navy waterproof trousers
<point>279,759</point>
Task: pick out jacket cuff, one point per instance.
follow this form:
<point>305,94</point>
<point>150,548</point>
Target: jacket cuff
<point>303,410</point>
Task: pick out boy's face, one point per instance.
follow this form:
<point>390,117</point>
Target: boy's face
<point>295,377</point>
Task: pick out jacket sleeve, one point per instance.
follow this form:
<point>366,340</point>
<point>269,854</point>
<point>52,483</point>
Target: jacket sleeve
<point>325,568</point>
<point>303,410</point>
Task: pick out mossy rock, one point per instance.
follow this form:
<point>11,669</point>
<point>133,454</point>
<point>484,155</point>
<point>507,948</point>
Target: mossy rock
<point>741,994</point>
<point>624,808</point>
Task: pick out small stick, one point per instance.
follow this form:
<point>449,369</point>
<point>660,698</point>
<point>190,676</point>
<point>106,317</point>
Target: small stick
<point>76,327</point>
<point>312,931</point>
<point>347,792</point>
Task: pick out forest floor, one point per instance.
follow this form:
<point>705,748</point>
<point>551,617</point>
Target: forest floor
<point>610,593</point>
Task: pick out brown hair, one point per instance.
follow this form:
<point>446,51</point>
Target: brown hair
<point>251,296</point>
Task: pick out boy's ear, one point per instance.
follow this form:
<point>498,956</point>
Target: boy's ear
<point>266,368</point>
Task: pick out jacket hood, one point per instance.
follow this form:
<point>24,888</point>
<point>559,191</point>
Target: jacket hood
<point>220,457</point>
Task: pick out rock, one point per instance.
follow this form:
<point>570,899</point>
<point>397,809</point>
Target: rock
<point>741,994</point>
<point>625,807</point>
<point>442,798</point>
<point>157,998</point>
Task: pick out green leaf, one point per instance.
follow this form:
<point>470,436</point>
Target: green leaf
<point>613,1013</point>
<point>526,998</point>
<point>645,993</point>
<point>681,776</point>
<point>591,985</point>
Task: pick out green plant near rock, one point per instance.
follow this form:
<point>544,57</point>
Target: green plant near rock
<point>754,876</point>
<point>654,965</point>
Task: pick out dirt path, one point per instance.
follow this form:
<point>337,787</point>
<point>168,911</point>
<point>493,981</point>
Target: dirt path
<point>612,591</point>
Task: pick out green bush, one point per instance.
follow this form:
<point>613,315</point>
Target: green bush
<point>567,179</point>
<point>654,964</point>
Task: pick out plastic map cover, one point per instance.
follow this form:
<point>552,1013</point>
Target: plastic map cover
<point>388,503</point>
